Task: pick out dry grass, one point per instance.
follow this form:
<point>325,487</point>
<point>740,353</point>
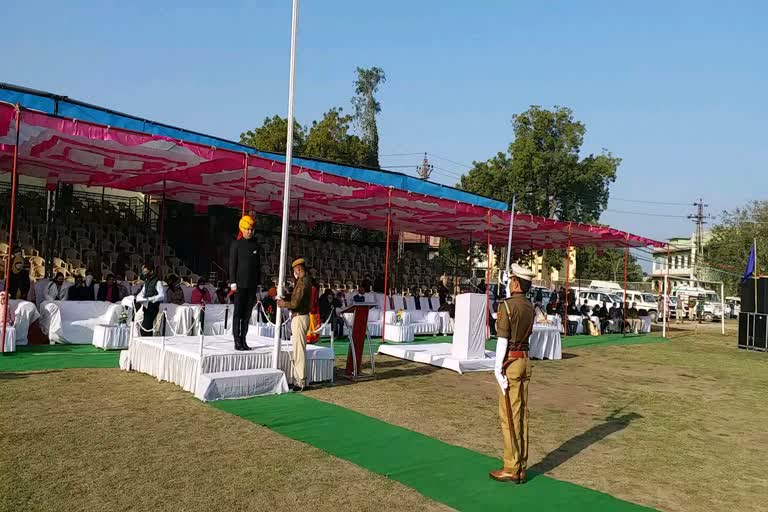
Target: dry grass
<point>105,440</point>
<point>675,426</point>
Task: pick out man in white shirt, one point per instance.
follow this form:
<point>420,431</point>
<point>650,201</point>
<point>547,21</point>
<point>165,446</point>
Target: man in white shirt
<point>56,290</point>
<point>150,297</point>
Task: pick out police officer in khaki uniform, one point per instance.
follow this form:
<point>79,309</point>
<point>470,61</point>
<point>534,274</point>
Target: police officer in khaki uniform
<point>299,306</point>
<point>513,373</point>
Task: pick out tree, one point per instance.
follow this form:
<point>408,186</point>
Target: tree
<point>731,242</point>
<point>543,169</point>
<point>606,265</point>
<point>366,107</point>
<point>272,136</point>
<point>330,139</point>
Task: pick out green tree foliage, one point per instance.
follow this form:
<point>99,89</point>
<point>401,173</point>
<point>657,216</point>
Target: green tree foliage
<point>366,108</point>
<point>330,139</point>
<point>607,265</point>
<point>732,239</point>
<point>542,167</point>
<point>272,136</point>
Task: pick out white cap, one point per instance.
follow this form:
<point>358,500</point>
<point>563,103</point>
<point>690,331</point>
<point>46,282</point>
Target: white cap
<point>521,272</point>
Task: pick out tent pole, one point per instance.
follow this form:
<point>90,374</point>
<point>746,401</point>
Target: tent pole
<point>509,237</point>
<point>386,263</point>
<point>666,310</point>
<point>567,277</point>
<point>286,185</point>
<point>245,185</point>
<point>722,309</point>
<point>626,256</point>
<point>488,282</point>
<point>14,183</point>
<point>162,230</point>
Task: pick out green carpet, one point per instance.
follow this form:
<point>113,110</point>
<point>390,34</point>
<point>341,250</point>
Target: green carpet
<point>56,357</point>
<point>448,474</point>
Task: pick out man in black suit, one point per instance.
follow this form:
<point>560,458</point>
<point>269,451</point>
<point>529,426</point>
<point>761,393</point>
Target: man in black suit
<point>244,273</point>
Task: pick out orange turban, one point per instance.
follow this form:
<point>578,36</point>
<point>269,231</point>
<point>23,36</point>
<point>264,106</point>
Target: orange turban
<point>246,222</point>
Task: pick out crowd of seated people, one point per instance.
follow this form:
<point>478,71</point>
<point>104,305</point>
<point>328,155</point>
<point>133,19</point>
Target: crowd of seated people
<point>594,320</point>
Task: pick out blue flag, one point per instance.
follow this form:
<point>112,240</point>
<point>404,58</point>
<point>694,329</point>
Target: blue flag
<point>750,266</point>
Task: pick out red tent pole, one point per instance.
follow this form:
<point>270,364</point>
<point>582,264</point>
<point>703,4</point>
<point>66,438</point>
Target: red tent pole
<point>626,257</point>
<point>245,184</point>
<point>162,230</point>
<point>567,276</point>
<point>386,264</point>
<point>488,281</point>
<point>14,183</point>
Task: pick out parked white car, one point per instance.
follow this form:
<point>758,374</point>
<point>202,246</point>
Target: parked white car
<point>643,300</point>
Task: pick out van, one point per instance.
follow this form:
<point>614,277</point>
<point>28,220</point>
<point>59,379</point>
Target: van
<point>597,297</point>
<point>643,300</point>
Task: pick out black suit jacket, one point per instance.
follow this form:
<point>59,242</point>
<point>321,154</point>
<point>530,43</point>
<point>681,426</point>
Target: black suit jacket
<point>245,263</point>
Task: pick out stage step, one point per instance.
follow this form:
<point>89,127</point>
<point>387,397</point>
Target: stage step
<point>240,384</point>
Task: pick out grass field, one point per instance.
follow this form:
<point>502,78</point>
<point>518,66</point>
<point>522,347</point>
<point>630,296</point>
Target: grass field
<point>673,426</point>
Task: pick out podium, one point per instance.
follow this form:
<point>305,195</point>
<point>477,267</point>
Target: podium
<point>358,336</point>
<point>469,327</point>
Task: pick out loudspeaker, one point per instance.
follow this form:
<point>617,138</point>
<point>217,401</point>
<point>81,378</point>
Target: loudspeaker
<point>748,296</point>
<point>753,331</point>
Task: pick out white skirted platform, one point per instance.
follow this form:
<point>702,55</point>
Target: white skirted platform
<point>545,343</point>
<point>439,354</point>
<point>178,359</point>
<point>10,338</point>
<point>240,384</point>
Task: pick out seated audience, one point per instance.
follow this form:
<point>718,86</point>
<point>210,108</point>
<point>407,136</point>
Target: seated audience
<point>79,291</point>
<point>604,317</point>
<point>175,294</point>
<point>109,291</point>
<point>585,309</point>
<point>360,295</point>
<point>573,325</point>
<point>201,294</point>
<point>633,320</point>
<point>55,289</point>
<point>448,307</point>
<point>553,305</point>
<point>617,317</point>
<point>222,293</point>
<point>19,283</point>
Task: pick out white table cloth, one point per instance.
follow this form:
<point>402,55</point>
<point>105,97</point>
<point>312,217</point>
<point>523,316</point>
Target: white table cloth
<point>111,337</point>
<point>74,321</point>
<point>646,324</point>
<point>26,315</point>
<point>545,343</point>
<point>399,333</point>
<point>10,338</point>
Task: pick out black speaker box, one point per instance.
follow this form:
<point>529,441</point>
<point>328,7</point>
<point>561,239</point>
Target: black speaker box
<point>748,296</point>
<point>753,331</point>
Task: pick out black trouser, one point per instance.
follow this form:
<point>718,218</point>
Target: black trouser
<point>572,327</point>
<point>245,299</point>
<point>151,309</point>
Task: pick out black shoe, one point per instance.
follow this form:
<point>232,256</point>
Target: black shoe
<point>298,389</point>
<point>244,345</point>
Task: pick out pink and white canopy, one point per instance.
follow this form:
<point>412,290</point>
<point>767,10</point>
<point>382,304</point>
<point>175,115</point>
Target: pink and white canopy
<point>80,152</point>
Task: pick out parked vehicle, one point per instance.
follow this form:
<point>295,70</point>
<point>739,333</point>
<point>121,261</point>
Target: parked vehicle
<point>711,307</point>
<point>643,300</point>
<point>733,306</point>
<point>597,297</point>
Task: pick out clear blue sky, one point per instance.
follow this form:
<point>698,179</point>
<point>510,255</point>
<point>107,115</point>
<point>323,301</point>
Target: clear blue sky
<point>676,89</point>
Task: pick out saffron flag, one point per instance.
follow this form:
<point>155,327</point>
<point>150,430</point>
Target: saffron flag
<point>750,270</point>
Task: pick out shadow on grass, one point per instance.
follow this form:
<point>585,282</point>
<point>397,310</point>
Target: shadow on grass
<point>572,447</point>
<point>18,375</point>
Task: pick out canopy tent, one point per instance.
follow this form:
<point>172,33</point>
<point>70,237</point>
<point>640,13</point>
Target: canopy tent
<point>187,169</point>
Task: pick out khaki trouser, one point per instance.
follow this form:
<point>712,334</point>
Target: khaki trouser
<point>513,415</point>
<point>299,328</point>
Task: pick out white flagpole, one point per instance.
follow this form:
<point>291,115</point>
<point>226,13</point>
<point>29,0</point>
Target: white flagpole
<point>286,185</point>
<point>509,238</point>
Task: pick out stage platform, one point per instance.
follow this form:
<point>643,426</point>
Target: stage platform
<point>439,354</point>
<point>178,359</point>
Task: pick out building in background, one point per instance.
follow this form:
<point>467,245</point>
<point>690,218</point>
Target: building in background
<point>684,262</point>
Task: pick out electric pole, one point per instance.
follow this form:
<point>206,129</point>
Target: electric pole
<point>425,169</point>
<point>699,218</point>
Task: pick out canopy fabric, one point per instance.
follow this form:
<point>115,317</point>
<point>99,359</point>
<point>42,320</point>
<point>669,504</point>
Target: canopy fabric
<point>83,152</point>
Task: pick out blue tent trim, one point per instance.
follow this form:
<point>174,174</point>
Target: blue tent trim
<point>73,109</point>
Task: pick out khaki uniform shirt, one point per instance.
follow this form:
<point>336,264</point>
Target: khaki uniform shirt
<point>515,321</point>
<point>301,297</point>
